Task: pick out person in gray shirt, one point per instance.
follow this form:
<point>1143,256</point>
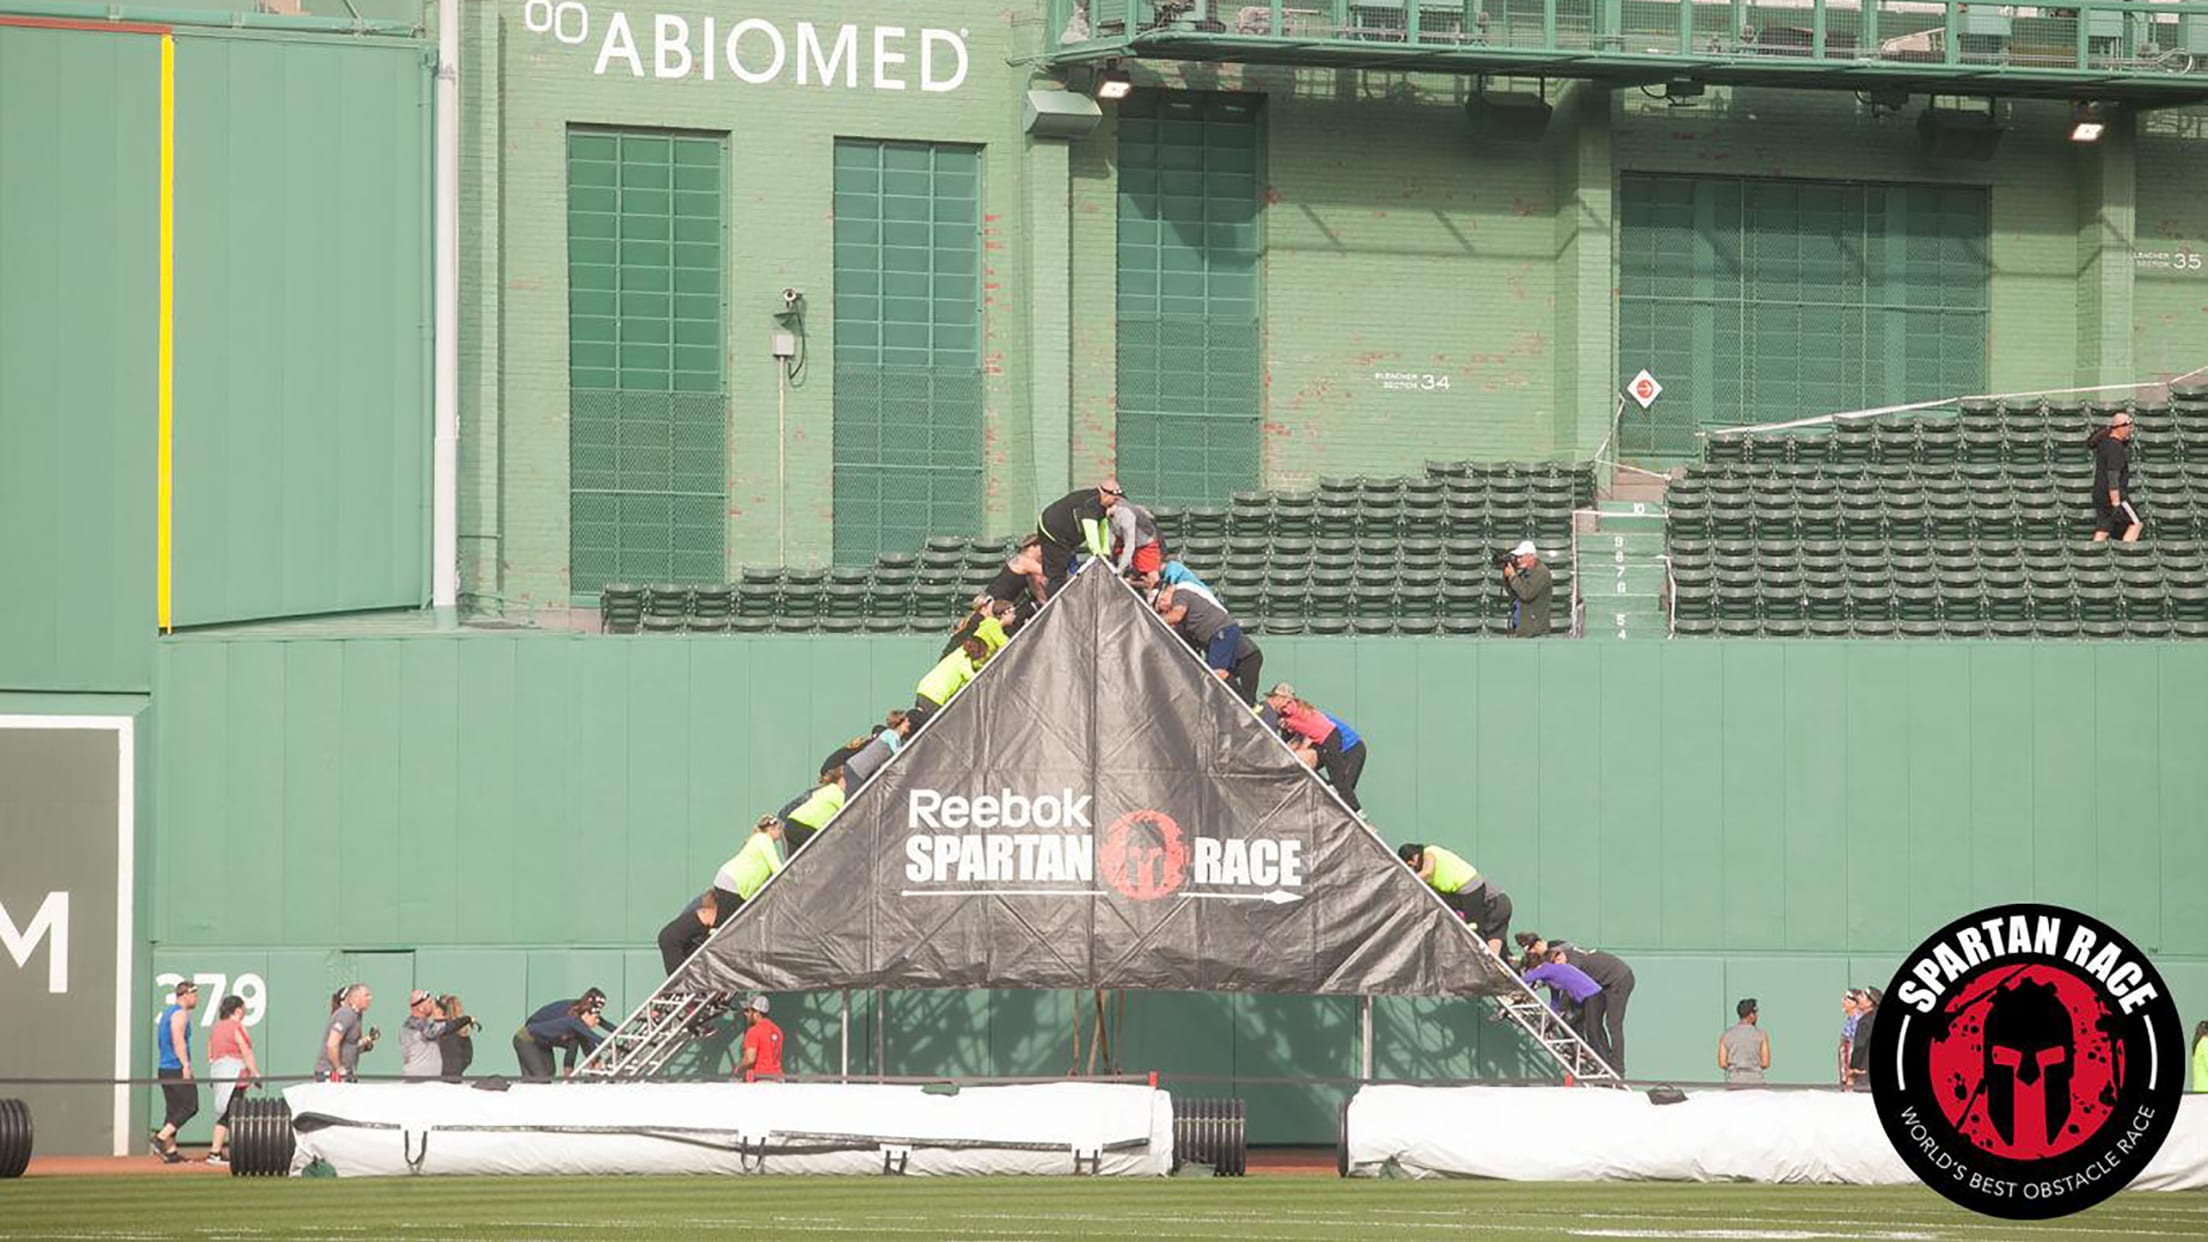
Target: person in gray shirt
<point>342,1040</point>
<point>419,1054</point>
<point>1744,1050</point>
<point>1207,627</point>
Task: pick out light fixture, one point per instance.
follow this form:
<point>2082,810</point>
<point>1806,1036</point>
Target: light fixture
<point>2087,123</point>
<point>1958,134</point>
<point>1114,83</point>
<point>1508,116</point>
<point>1680,89</point>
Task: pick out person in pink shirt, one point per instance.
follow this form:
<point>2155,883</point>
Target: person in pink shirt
<point>1322,740</point>
<point>230,1064</point>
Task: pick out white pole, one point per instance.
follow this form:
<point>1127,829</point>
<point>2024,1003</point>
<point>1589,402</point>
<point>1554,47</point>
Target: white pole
<point>846,1072</point>
<point>444,520</point>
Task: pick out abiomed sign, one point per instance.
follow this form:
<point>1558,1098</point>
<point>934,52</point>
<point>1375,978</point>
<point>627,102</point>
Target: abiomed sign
<point>753,51</point>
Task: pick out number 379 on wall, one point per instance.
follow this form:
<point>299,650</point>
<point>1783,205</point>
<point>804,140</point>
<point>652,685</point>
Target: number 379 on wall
<point>247,987</point>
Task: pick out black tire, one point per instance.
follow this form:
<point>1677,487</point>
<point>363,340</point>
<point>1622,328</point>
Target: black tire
<point>1211,1132</point>
<point>261,1141</point>
<point>15,1138</point>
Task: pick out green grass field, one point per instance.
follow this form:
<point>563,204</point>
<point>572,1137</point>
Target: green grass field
<point>1288,1209</point>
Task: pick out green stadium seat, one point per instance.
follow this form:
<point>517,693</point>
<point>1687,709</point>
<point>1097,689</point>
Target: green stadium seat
<point>621,608</point>
<point>2103,628</point>
<point>1694,627</point>
<point>743,624</point>
<point>1739,627</point>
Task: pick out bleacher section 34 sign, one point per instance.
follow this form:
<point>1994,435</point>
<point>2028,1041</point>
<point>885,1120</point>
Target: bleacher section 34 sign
<point>65,903</point>
<point>1096,811</point>
<point>753,51</point>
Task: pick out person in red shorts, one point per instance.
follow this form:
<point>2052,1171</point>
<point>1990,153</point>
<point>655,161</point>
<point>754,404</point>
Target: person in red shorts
<point>762,1043</point>
<point>1136,548</point>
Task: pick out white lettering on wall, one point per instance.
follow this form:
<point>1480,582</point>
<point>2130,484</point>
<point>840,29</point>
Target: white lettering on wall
<point>622,43</point>
<point>824,63</point>
<point>780,51</point>
<point>51,924</point>
<point>756,51</point>
<point>930,40</point>
<point>884,58</point>
<point>671,47</point>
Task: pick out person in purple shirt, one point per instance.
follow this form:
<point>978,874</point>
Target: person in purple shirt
<point>1567,982</point>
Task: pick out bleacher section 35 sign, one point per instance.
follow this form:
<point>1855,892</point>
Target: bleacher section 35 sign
<point>65,904</point>
<point>753,51</point>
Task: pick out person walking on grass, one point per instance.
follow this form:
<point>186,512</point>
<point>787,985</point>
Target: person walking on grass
<point>230,1063</point>
<point>172,1040</point>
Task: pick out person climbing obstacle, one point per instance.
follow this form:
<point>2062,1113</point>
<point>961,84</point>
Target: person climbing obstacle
<point>1482,904</point>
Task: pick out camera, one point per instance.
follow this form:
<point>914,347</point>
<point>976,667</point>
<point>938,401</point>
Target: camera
<point>1503,559</point>
<point>791,296</point>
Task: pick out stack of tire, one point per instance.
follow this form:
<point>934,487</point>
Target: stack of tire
<point>1212,1132</point>
<point>15,1138</point>
<point>260,1138</point>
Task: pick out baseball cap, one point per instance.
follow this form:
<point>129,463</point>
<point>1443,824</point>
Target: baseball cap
<point>757,1004</point>
<point>416,997</point>
<point>1281,691</point>
<point>1525,548</point>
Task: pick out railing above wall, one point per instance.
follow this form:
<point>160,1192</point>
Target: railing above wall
<point>2142,50</point>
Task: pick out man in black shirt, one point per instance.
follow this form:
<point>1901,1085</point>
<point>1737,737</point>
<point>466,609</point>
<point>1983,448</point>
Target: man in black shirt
<point>1075,523</point>
<point>1616,979</point>
<point>2112,507</point>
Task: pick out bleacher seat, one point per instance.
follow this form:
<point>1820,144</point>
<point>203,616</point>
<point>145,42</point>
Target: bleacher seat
<point>1976,525</point>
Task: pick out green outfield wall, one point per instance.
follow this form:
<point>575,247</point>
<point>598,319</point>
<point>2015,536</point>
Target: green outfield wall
<point>513,817</point>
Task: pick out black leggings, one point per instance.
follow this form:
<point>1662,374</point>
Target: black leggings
<point>179,1099</point>
<point>1487,908</point>
<point>1343,767</point>
<point>1613,1023</point>
<point>1057,561</point>
<point>535,1058</point>
<point>1247,676</point>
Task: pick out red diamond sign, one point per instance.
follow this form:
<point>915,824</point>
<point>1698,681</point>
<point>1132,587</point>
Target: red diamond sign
<point>1645,389</point>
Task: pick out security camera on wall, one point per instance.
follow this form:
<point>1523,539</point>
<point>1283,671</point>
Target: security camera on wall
<point>791,297</point>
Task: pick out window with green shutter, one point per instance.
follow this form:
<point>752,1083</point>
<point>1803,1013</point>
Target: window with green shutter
<point>1757,300</point>
<point>1190,247</point>
<point>647,388</point>
<point>908,401</point>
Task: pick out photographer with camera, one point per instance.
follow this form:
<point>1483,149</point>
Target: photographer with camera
<point>456,1048</point>
<point>1528,581</point>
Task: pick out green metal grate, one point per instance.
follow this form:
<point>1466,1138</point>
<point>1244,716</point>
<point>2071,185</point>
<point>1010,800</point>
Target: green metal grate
<point>647,405</point>
<point>1190,359</point>
<point>908,404</point>
<point>1755,300</point>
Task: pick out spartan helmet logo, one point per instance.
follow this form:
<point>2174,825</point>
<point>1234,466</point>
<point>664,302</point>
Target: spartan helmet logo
<point>2030,1045</point>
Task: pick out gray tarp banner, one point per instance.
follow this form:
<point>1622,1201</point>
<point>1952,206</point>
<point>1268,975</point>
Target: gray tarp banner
<point>1096,811</point>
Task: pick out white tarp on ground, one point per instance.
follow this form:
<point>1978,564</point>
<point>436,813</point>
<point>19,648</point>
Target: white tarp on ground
<point>379,1129</point>
<point>1581,1134</point>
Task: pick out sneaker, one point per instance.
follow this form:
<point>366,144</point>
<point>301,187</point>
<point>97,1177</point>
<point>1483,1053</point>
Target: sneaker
<point>172,1156</point>
<point>217,1158</point>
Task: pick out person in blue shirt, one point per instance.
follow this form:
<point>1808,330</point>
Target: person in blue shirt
<point>1175,574</point>
<point>569,1024</point>
<point>172,1039</point>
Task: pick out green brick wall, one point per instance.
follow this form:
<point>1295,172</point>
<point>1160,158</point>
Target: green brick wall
<point>1422,294</point>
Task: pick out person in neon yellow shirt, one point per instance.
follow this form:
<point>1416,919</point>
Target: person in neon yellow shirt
<point>2200,1058</point>
<point>1462,887</point>
<point>744,875</point>
<point>816,811</point>
<point>947,678</point>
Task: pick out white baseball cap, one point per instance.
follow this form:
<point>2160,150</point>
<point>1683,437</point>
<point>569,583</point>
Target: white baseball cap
<point>1525,548</point>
